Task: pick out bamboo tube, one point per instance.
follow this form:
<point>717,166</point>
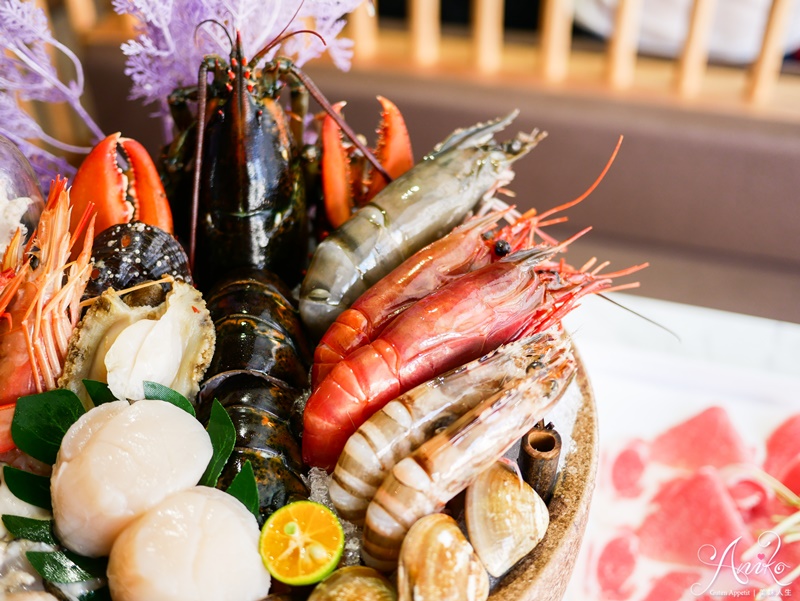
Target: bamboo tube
<point>556,28</point>
<point>624,42</point>
<point>694,57</point>
<point>767,68</point>
<point>487,34</point>
<point>426,31</point>
<point>363,23</point>
<point>538,459</point>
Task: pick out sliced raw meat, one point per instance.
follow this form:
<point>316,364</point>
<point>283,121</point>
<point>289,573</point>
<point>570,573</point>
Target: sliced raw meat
<point>626,472</point>
<point>751,497</point>
<point>708,438</point>
<point>791,476</point>
<point>672,586</point>
<point>615,565</point>
<point>689,513</point>
<point>783,447</point>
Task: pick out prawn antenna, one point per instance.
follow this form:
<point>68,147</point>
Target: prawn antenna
<point>637,314</point>
<point>590,189</point>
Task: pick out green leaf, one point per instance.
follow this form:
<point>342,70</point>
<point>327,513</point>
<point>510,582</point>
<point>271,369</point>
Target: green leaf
<point>41,420</point>
<point>223,438</point>
<point>28,487</point>
<point>244,488</point>
<point>99,392</point>
<point>154,391</point>
<point>96,566</point>
<point>55,566</point>
<point>38,531</point>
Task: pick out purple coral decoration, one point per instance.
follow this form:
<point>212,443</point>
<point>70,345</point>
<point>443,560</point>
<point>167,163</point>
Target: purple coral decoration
<point>28,73</point>
<point>170,46</point>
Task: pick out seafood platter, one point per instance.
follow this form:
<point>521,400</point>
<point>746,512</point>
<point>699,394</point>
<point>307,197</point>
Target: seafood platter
<point>274,363</point>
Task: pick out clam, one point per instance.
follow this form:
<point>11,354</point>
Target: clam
<point>506,519</point>
<point>147,334</point>
<point>437,563</point>
<point>354,583</point>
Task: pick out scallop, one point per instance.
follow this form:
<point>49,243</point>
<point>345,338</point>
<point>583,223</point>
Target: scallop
<point>506,519</point>
<point>142,336</point>
<point>116,462</point>
<point>200,544</point>
<point>354,583</point>
<point>438,564</point>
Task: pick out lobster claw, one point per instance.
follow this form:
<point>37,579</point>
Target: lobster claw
<point>347,179</point>
<point>122,181</point>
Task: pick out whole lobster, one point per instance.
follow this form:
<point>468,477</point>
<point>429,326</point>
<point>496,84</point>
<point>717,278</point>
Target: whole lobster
<point>248,205</point>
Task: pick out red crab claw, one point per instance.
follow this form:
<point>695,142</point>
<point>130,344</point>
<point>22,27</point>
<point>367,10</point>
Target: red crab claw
<point>119,177</point>
<point>347,180</point>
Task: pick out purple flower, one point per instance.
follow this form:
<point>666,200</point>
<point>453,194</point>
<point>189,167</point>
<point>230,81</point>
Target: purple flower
<point>28,73</point>
<point>172,43</point>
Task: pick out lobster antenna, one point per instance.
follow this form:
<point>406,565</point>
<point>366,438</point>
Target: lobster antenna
<point>279,38</point>
<point>202,101</point>
<point>637,314</point>
<point>260,54</point>
<point>317,95</point>
<point>215,22</point>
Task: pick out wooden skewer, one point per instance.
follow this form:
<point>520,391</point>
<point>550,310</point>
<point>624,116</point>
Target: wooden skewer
<point>556,26</point>
<point>624,44</point>
<point>694,58</point>
<point>363,22</point>
<point>767,68</point>
<point>487,34</point>
<point>426,31</point>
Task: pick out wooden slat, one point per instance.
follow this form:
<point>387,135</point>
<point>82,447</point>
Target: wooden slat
<point>82,16</point>
<point>694,58</point>
<point>766,70</point>
<point>426,31</point>
<point>623,46</point>
<point>363,23</point>
<point>556,27</point>
<point>487,34</point>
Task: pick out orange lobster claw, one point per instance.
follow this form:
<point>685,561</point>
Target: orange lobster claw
<point>394,146</point>
<point>121,193</point>
<point>347,180</point>
<point>336,188</point>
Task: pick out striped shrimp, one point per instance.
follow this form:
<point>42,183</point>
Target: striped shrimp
<point>423,482</point>
<point>411,419</point>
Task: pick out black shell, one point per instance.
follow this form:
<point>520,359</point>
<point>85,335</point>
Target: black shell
<point>131,253</point>
<point>259,368</point>
<point>261,409</point>
<point>258,328</point>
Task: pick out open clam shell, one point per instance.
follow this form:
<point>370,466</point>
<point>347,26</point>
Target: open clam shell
<point>437,563</point>
<point>506,519</point>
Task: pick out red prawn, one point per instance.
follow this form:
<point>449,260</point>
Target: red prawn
<point>465,249</point>
<point>465,319</point>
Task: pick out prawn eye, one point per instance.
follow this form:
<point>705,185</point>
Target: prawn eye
<point>502,248</point>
